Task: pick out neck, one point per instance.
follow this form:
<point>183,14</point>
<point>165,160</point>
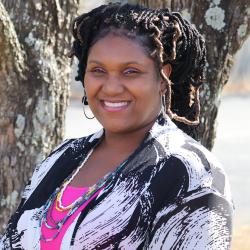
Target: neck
<point>126,142</point>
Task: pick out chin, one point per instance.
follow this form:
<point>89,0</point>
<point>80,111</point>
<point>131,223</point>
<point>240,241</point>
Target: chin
<point>117,127</point>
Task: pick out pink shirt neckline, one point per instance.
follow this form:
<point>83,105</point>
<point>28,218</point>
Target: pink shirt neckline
<point>71,193</point>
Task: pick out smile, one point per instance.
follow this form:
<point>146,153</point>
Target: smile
<point>115,106</point>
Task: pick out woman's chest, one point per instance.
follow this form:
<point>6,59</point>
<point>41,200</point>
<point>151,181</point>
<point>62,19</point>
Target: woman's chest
<point>95,168</point>
<point>118,219</point>
<point>105,221</point>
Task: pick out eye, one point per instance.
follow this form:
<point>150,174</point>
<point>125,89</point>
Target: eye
<point>131,72</point>
<point>97,70</point>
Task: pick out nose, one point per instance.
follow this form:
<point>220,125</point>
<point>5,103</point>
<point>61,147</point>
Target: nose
<point>113,86</point>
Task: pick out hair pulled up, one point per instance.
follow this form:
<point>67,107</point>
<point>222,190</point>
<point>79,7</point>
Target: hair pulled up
<point>168,37</point>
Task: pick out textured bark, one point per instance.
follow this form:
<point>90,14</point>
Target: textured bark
<point>225,25</point>
<point>34,88</point>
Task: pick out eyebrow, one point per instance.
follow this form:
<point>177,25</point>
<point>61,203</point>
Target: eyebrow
<point>95,61</point>
<point>126,63</point>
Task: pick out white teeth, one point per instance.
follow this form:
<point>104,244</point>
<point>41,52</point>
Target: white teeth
<point>115,104</point>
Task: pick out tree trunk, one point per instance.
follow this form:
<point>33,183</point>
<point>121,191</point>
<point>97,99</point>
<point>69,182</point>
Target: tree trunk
<point>225,26</point>
<point>34,88</point>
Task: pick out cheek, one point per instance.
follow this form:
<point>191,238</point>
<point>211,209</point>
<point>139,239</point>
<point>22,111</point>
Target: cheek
<point>151,90</point>
<point>90,86</point>
<point>85,81</point>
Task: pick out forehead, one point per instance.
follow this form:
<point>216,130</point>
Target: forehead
<point>119,46</point>
<point>112,45</point>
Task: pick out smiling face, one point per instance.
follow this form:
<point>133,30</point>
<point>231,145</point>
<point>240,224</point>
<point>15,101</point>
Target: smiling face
<point>122,85</point>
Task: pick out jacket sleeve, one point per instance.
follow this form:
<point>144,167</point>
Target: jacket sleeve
<point>195,211</point>
<point>202,220</point>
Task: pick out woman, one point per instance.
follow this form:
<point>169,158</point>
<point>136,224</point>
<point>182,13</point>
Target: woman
<point>140,183</point>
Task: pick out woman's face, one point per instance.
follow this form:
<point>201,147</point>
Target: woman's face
<point>122,85</point>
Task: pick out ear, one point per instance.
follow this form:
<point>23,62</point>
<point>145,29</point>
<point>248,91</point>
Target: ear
<point>167,69</point>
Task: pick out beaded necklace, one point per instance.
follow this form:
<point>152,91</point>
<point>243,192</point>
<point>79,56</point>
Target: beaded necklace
<point>56,197</point>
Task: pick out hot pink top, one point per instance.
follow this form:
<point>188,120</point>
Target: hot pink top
<point>70,194</point>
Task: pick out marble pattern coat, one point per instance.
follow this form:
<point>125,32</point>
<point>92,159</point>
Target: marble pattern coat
<point>170,194</point>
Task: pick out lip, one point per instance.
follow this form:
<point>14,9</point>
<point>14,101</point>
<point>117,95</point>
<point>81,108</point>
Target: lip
<point>114,106</point>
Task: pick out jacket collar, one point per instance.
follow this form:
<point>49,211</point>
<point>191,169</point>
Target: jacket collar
<point>162,125</point>
<point>79,148</point>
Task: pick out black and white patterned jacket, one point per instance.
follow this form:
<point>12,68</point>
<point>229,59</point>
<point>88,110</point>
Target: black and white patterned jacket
<point>170,194</point>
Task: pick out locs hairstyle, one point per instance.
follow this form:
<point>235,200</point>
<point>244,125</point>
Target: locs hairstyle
<point>165,35</point>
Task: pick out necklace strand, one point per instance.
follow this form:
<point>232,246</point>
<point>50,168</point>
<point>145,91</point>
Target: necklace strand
<point>65,184</point>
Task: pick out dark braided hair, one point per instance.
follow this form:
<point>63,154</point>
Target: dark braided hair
<point>165,35</point>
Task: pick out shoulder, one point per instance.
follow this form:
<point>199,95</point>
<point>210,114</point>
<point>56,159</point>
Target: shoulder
<point>43,168</point>
<point>186,157</point>
<point>68,149</point>
<point>204,172</point>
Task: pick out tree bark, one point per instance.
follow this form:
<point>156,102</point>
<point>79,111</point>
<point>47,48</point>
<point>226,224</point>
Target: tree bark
<point>225,26</point>
<point>34,88</point>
